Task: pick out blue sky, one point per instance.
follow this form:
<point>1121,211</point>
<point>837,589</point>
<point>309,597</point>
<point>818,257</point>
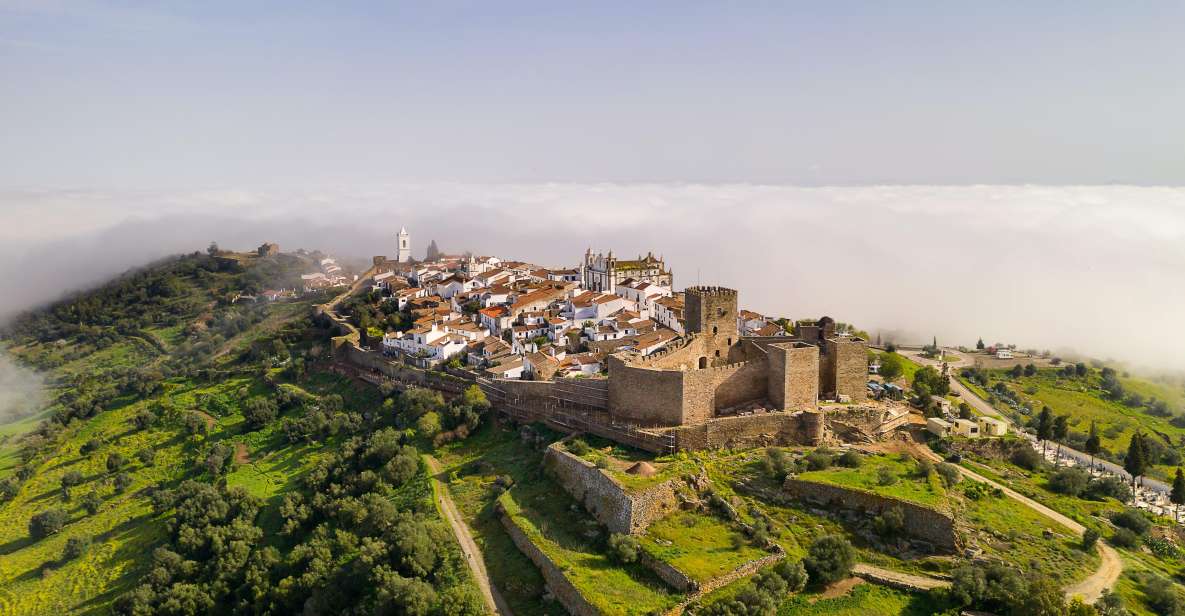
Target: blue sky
<point>268,94</point>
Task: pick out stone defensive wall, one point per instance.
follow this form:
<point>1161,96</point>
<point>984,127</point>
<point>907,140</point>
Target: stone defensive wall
<point>560,587</point>
<point>757,430</point>
<point>375,363</point>
<point>921,522</point>
<point>620,510</point>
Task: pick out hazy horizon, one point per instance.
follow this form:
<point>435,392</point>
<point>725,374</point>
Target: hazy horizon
<point>1093,268</point>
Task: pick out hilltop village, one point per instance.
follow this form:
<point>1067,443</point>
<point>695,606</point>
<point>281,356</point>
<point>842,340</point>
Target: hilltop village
<point>612,347</point>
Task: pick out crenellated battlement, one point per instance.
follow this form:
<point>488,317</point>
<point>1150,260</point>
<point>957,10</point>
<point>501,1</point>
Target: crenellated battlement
<point>708,291</point>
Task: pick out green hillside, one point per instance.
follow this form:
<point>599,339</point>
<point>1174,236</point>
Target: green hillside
<point>195,457</point>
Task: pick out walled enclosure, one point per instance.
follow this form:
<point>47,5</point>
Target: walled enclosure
<point>920,522</point>
<point>621,511</point>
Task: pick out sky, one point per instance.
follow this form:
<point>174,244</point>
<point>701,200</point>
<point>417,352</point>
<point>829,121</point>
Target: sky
<point>936,169</point>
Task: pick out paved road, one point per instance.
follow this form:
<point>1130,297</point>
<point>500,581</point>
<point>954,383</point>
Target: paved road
<point>494,602</point>
<point>984,407</point>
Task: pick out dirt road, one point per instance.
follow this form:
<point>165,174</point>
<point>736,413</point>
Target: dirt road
<point>494,602</point>
<point>1109,569</point>
<point>898,579</point>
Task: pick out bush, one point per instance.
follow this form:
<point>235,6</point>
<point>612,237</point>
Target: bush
<point>1071,481</point>
<point>777,463</point>
<point>115,461</point>
<point>578,447</point>
<point>91,502</point>
<point>143,419</point>
<point>75,547</point>
<point>1089,539</point>
<point>1125,538</point>
<point>850,459</point>
<point>793,573</point>
<point>624,548</point>
<point>1104,487</point>
<point>71,478</point>
<point>949,473</point>
<point>122,482</point>
<point>1162,596</point>
<point>890,523</point>
<point>146,456</point>
<point>1132,520</point>
<point>830,559</point>
<point>259,411</point>
<point>924,468</point>
<point>47,523</point>
<point>818,460</point>
<point>1027,457</point>
<point>885,476</point>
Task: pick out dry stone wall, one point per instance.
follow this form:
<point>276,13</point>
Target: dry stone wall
<point>560,587</point>
<point>621,511</point>
<point>923,523</point>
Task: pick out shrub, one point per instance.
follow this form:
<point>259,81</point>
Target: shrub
<point>1125,538</point>
<point>1027,457</point>
<point>122,482</point>
<point>1132,520</point>
<point>850,459</point>
<point>830,559</point>
<point>71,478</point>
<point>890,523</point>
<point>47,523</point>
<point>91,445</point>
<point>115,461</point>
<point>818,460</point>
<point>146,456</point>
<point>1071,481</point>
<point>578,447</point>
<point>91,502</point>
<point>793,573</point>
<point>75,547</point>
<point>1109,486</point>
<point>949,473</point>
<point>259,411</point>
<point>1089,539</point>
<point>777,463</point>
<point>885,476</point>
<point>624,548</point>
<point>924,467</point>
<point>143,419</point>
<point>1162,596</point>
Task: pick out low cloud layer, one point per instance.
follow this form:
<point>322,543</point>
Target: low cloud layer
<point>22,391</point>
<point>1100,269</point>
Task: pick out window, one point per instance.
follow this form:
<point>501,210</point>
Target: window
<point>703,363</point>
<point>717,352</point>
<point>713,329</point>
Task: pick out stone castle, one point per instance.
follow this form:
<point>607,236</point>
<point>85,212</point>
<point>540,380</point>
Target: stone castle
<point>714,372</point>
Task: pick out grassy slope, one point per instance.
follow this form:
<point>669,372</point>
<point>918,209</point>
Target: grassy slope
<point>32,578</point>
<point>1083,402</point>
<point>701,546</point>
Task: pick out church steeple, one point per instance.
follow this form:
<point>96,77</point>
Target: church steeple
<point>404,245</point>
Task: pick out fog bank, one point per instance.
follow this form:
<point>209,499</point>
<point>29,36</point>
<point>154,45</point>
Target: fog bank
<point>22,391</point>
<point>1100,269</point>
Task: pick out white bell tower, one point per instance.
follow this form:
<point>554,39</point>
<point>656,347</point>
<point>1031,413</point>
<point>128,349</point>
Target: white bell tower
<point>404,245</point>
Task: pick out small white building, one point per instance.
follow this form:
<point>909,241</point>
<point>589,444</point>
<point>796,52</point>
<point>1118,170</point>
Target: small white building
<point>1003,353</point>
<point>966,428</point>
<point>938,427</point>
<point>990,426</point>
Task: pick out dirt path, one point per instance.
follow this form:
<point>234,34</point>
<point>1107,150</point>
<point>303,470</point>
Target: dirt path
<point>210,421</point>
<point>1109,569</point>
<point>241,456</point>
<point>892,578</point>
<point>494,602</point>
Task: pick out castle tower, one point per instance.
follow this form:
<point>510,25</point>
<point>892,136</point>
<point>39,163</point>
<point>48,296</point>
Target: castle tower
<point>712,313</point>
<point>404,245</point>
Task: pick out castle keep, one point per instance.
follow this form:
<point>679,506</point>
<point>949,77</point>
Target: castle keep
<point>714,372</point>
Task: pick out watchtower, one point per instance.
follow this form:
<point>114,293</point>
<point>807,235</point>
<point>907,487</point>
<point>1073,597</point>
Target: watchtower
<point>712,313</point>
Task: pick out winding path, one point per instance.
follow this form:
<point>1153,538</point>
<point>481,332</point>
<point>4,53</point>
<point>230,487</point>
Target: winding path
<point>493,600</point>
<point>1111,566</point>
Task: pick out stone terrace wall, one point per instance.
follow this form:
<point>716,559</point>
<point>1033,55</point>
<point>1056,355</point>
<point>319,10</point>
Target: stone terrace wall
<point>374,361</point>
<point>619,510</point>
<point>921,522</point>
<point>742,571</point>
<point>560,587</point>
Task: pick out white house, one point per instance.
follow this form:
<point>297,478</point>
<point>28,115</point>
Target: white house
<point>668,311</point>
<point>938,427</point>
<point>990,426</point>
<point>967,428</point>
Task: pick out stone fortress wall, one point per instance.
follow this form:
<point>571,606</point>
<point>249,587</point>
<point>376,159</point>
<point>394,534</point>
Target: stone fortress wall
<point>715,370</point>
<point>620,510</point>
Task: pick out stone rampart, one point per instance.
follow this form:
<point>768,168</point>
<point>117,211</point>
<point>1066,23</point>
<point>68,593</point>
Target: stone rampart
<point>921,522</point>
<point>563,590</point>
<point>621,511</point>
<point>645,395</point>
<point>757,430</point>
